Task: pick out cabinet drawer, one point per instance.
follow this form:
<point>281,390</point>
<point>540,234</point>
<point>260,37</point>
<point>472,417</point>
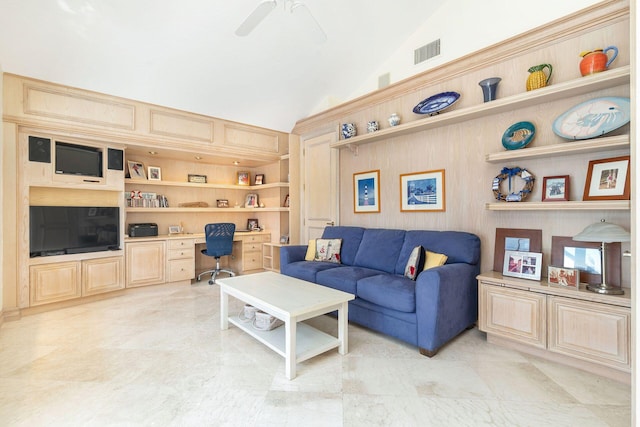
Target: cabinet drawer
<point>260,238</point>
<point>251,247</point>
<point>180,269</point>
<point>180,243</point>
<point>595,332</point>
<point>252,261</point>
<point>514,314</point>
<point>185,253</point>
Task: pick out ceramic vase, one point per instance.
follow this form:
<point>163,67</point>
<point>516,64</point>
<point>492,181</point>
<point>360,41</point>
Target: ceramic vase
<point>348,130</point>
<point>489,88</point>
<point>372,126</point>
<point>394,120</point>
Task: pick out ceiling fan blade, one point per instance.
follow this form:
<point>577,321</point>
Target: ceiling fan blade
<point>302,12</point>
<point>255,17</point>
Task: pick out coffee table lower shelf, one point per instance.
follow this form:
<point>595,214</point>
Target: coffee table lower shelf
<point>310,341</point>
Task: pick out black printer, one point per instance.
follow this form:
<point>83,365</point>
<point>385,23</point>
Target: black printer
<point>143,229</point>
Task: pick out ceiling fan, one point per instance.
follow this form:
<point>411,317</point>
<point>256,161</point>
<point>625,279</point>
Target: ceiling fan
<point>296,8</point>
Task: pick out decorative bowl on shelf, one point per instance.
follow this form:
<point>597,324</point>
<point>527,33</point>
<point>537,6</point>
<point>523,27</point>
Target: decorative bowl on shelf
<point>593,118</point>
<point>518,135</point>
<point>436,103</point>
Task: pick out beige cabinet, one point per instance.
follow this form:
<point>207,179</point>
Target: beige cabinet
<point>145,263</point>
<point>250,247</point>
<point>271,256</point>
<point>180,260</point>
<point>54,282</point>
<point>102,275</point>
<point>578,327</point>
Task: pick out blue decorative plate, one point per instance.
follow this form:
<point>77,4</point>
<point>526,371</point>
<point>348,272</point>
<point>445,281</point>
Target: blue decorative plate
<point>593,118</point>
<point>518,135</point>
<point>436,103</point>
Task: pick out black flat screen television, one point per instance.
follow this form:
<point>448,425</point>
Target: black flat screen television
<point>59,230</point>
<point>72,159</point>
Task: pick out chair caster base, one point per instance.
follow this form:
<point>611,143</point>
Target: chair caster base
<point>211,282</point>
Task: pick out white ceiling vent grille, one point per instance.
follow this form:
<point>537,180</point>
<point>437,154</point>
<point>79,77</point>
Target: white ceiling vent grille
<point>427,51</point>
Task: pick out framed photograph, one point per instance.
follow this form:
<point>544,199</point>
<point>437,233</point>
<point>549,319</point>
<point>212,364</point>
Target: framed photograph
<point>286,202</point>
<point>366,192</point>
<point>284,239</point>
<point>251,201</point>
<point>174,229</point>
<point>222,203</point>
<point>585,256</point>
<point>252,224</point>
<point>608,179</point>
<point>569,277</point>
<point>515,239</point>
<point>136,170</point>
<point>154,173</point>
<point>525,265</point>
<point>422,191</point>
<point>259,179</point>
<point>243,178</point>
<point>555,188</point>
<point>197,179</point>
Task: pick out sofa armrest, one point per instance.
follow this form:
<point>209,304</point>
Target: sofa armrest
<point>292,253</point>
<point>446,303</point>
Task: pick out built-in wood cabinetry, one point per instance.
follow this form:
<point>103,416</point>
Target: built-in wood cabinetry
<point>180,260</point>
<point>145,263</point>
<point>577,327</point>
<point>102,275</point>
<point>271,256</point>
<point>251,248</point>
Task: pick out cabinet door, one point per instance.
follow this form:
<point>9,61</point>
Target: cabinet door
<point>145,263</point>
<point>180,269</point>
<point>102,275</point>
<point>54,282</point>
<point>514,314</point>
<point>590,331</point>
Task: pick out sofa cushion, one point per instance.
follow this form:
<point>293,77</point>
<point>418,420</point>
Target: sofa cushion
<point>311,250</point>
<point>434,260</point>
<point>351,237</point>
<point>415,264</point>
<point>307,270</point>
<point>390,291</point>
<point>328,250</point>
<point>345,278</point>
<point>379,249</point>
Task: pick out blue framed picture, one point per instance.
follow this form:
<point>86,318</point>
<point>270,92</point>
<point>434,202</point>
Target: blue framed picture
<point>366,192</point>
<point>422,191</point>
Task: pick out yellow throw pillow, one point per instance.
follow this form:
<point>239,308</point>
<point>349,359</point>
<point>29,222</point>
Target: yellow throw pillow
<point>434,260</point>
<point>311,251</point>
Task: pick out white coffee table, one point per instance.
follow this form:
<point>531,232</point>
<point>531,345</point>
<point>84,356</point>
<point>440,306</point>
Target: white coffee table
<point>292,301</point>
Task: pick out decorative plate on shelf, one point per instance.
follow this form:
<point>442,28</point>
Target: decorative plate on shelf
<point>518,135</point>
<point>593,118</point>
<point>436,103</point>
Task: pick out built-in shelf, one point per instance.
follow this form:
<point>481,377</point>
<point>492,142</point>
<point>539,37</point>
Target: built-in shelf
<point>206,185</point>
<point>581,86</point>
<point>567,148</point>
<point>550,206</point>
<point>201,210</point>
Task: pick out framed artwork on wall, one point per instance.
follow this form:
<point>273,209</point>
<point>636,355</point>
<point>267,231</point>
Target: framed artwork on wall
<point>515,239</point>
<point>608,179</point>
<point>555,188</point>
<point>585,256</point>
<point>366,192</point>
<point>422,191</point>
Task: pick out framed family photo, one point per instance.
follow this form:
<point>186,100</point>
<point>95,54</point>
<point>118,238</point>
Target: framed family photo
<point>243,178</point>
<point>555,188</point>
<point>586,257</point>
<point>154,173</point>
<point>525,265</point>
<point>515,239</point>
<point>259,179</point>
<point>252,224</point>
<point>136,170</point>
<point>366,192</point>
<point>422,191</point>
<point>569,277</point>
<point>608,179</point>
<point>251,201</point>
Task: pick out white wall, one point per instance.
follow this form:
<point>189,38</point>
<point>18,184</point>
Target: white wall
<point>463,27</point>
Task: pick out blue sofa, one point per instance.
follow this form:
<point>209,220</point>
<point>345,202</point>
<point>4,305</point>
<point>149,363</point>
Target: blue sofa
<point>440,304</point>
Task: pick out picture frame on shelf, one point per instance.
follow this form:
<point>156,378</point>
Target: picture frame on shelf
<point>243,178</point>
<point>251,201</point>
<point>366,192</point>
<point>197,179</point>
<point>567,277</point>
<point>252,224</point>
<point>259,180</point>
<point>514,239</point>
<point>555,188</point>
<point>284,239</point>
<point>608,179</point>
<point>136,170</point>
<point>222,203</point>
<point>585,256</point>
<point>524,265</point>
<point>423,191</point>
<point>155,174</point>
<point>174,229</point>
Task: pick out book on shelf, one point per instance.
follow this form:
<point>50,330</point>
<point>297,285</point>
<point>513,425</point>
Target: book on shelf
<point>139,199</point>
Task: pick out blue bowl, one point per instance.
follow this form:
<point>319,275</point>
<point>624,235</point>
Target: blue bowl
<point>518,135</point>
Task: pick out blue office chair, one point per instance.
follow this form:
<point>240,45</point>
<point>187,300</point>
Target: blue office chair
<point>219,243</point>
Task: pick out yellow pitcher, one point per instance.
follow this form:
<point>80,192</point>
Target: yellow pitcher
<point>538,78</point>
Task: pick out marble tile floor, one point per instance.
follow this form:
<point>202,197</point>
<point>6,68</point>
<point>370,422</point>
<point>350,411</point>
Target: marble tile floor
<point>156,357</point>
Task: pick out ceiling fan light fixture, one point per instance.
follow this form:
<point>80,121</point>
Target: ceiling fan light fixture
<point>256,17</point>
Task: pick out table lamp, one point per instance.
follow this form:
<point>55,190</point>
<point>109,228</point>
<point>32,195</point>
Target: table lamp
<point>604,233</point>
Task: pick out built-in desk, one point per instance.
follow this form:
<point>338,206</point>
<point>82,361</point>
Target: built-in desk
<point>177,257</point>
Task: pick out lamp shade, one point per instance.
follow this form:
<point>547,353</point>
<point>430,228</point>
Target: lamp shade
<point>603,232</point>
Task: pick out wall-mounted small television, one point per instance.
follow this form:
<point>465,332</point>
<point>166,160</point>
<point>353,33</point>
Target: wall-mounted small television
<point>73,159</point>
<point>59,230</point>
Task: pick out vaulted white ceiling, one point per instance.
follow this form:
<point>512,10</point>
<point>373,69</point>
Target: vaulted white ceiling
<point>184,54</point>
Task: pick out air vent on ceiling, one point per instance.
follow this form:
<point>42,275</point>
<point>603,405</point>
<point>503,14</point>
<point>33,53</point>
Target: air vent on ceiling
<point>384,80</point>
<point>427,51</point>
